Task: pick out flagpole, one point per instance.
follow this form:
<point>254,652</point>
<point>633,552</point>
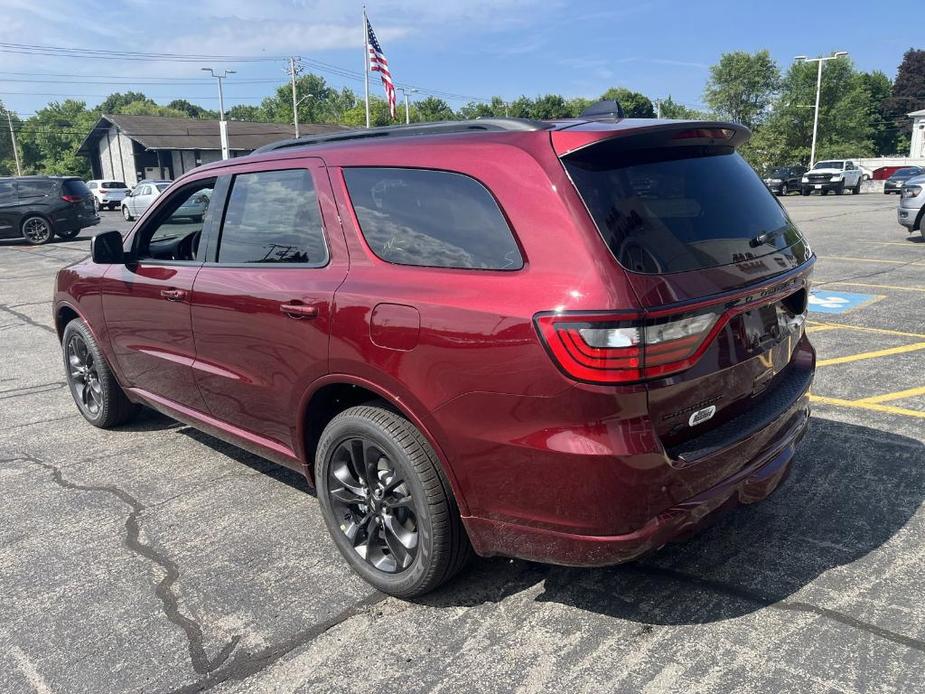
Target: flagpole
<point>366,62</point>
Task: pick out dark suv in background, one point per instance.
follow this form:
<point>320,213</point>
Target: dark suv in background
<point>37,208</point>
<point>785,179</point>
<point>565,341</point>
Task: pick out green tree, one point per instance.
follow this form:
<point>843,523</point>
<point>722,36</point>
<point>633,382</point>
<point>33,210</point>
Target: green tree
<point>150,108</point>
<point>244,112</point>
<point>429,110</point>
<point>117,100</point>
<point>635,105</point>
<point>742,85</point>
<point>521,107</point>
<point>496,108</point>
<point>49,139</point>
<point>880,88</point>
<point>378,114</point>
<point>908,93</point>
<point>550,106</point>
<point>318,102</point>
<point>191,110</point>
<point>578,104</point>
<point>672,109</point>
<point>7,158</point>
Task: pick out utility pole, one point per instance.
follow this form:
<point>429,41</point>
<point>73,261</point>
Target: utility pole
<point>294,69</point>
<point>407,106</point>
<point>222,123</point>
<point>658,108</point>
<point>9,120</point>
<point>820,60</point>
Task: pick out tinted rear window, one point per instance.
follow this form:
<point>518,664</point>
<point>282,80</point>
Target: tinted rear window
<point>675,210</point>
<point>36,187</point>
<point>73,186</point>
<point>431,219</point>
<point>907,172</point>
<point>113,185</point>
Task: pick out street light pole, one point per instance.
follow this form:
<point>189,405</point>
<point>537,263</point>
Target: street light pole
<point>294,69</point>
<point>9,120</point>
<point>407,106</point>
<point>820,60</point>
<point>222,123</point>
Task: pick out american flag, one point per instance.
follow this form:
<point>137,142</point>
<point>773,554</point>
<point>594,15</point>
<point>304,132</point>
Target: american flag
<point>378,63</point>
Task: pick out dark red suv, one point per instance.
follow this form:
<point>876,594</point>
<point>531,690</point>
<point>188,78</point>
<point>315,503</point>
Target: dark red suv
<point>564,341</point>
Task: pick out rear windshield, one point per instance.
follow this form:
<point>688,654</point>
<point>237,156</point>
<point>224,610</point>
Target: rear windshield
<point>911,171</point>
<point>112,185</point>
<point>675,210</point>
<point>163,186</point>
<point>74,186</point>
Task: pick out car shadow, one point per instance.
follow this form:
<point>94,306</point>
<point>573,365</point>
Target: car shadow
<point>851,489</point>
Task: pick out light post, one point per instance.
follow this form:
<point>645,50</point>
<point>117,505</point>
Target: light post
<point>222,124</point>
<point>407,106</point>
<point>9,121</point>
<point>820,60</point>
<point>295,111</point>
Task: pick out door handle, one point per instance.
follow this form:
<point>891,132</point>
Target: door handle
<point>298,311</point>
<point>173,294</point>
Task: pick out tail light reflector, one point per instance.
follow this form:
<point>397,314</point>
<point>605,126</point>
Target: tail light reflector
<point>620,348</point>
<point>71,198</point>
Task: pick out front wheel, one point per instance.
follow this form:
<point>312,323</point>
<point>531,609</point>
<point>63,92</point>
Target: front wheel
<point>857,188</point>
<point>387,504</point>
<point>98,396</point>
<point>784,190</point>
<point>804,191</point>
<point>126,214</point>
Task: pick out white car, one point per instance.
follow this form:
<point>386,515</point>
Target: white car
<point>836,175</point>
<point>108,194</point>
<point>141,197</point>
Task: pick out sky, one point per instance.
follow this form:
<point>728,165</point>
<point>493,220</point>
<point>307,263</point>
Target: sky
<point>469,49</point>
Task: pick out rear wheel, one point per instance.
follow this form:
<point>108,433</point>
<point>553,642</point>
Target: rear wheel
<point>784,189</point>
<point>804,191</point>
<point>36,230</point>
<point>387,504</point>
<point>126,214</point>
<point>824,191</point>
<point>98,396</point>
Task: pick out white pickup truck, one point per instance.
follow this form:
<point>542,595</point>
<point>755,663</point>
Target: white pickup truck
<point>836,175</point>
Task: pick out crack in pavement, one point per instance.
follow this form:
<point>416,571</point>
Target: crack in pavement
<point>783,605</point>
<point>22,391</point>
<point>246,664</point>
<point>164,590</point>
<point>26,319</point>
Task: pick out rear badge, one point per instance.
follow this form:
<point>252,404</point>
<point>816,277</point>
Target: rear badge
<point>701,416</point>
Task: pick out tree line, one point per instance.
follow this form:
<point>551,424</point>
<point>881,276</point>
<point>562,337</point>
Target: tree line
<point>861,113</point>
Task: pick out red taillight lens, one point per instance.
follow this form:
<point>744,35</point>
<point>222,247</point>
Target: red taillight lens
<point>71,198</point>
<point>705,134</point>
<point>624,349</point>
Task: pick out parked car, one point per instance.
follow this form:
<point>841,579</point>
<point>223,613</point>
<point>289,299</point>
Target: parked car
<point>911,209</point>
<point>785,179</point>
<point>866,173</point>
<point>832,176</point>
<point>571,356</point>
<point>108,194</point>
<point>895,182</point>
<point>37,208</point>
<point>140,198</point>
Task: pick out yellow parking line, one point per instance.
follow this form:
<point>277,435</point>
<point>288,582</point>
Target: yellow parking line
<point>872,260</point>
<point>872,355</point>
<point>897,395</point>
<point>820,328</point>
<point>880,331</point>
<point>879,286</point>
<point>873,407</point>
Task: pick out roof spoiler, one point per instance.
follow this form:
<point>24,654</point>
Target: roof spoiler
<point>648,134</point>
<point>608,109</point>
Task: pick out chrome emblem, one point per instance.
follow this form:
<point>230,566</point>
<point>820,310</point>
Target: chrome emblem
<point>701,416</point>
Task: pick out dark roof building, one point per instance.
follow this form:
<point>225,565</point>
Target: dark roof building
<point>130,148</point>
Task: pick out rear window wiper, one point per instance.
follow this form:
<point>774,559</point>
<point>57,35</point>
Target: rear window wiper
<point>764,237</point>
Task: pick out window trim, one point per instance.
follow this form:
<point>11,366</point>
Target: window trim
<point>215,245</point>
<point>156,219</point>
<point>444,268</point>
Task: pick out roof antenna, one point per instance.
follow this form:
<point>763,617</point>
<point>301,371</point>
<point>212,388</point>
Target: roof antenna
<point>608,109</point>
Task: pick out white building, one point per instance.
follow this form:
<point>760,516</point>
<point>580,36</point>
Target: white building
<point>917,147</point>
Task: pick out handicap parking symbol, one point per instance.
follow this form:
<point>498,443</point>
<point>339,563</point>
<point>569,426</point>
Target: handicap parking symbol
<point>821,301</point>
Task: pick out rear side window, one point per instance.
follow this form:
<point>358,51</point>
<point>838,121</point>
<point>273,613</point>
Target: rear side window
<point>36,187</point>
<point>73,186</point>
<point>273,217</point>
<point>432,219</point>
<point>675,210</point>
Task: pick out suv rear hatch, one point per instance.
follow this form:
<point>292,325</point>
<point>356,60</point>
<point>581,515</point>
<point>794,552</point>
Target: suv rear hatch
<point>720,271</point>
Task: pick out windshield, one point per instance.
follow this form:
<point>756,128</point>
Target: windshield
<point>674,210</point>
<point>829,165</point>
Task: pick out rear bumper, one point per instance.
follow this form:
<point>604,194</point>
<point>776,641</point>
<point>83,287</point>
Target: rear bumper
<point>754,482</point>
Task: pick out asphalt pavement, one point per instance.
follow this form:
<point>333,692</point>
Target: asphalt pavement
<point>156,558</point>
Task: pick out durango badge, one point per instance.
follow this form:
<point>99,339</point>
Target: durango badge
<point>701,416</point>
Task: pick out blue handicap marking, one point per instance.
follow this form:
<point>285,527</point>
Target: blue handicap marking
<point>821,301</point>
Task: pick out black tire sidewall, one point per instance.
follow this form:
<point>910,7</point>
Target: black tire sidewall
<point>341,428</point>
<point>22,229</point>
<point>116,408</point>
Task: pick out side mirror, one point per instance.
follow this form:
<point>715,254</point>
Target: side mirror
<point>106,248</point>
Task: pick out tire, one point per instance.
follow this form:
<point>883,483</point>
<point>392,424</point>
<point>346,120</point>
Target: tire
<point>804,191</point>
<point>68,234</point>
<point>824,192</point>
<point>366,525</point>
<point>126,214</point>
<point>857,188</point>
<point>784,190</point>
<point>97,394</point>
<point>96,204</point>
<point>36,230</point>
<point>840,189</point>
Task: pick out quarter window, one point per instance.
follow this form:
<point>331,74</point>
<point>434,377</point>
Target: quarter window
<point>431,218</point>
<point>273,217</point>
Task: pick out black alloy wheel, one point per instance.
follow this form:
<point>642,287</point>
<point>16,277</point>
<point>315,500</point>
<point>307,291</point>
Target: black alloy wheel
<point>375,505</point>
<point>36,230</point>
<point>83,376</point>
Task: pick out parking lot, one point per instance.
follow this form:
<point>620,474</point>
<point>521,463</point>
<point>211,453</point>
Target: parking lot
<point>156,558</point>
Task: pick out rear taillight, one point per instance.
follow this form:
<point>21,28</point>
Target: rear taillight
<point>705,133</point>
<point>71,198</point>
<point>621,348</point>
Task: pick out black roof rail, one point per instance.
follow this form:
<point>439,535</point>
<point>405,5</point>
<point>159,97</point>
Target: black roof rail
<point>418,129</point>
<point>608,109</point>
